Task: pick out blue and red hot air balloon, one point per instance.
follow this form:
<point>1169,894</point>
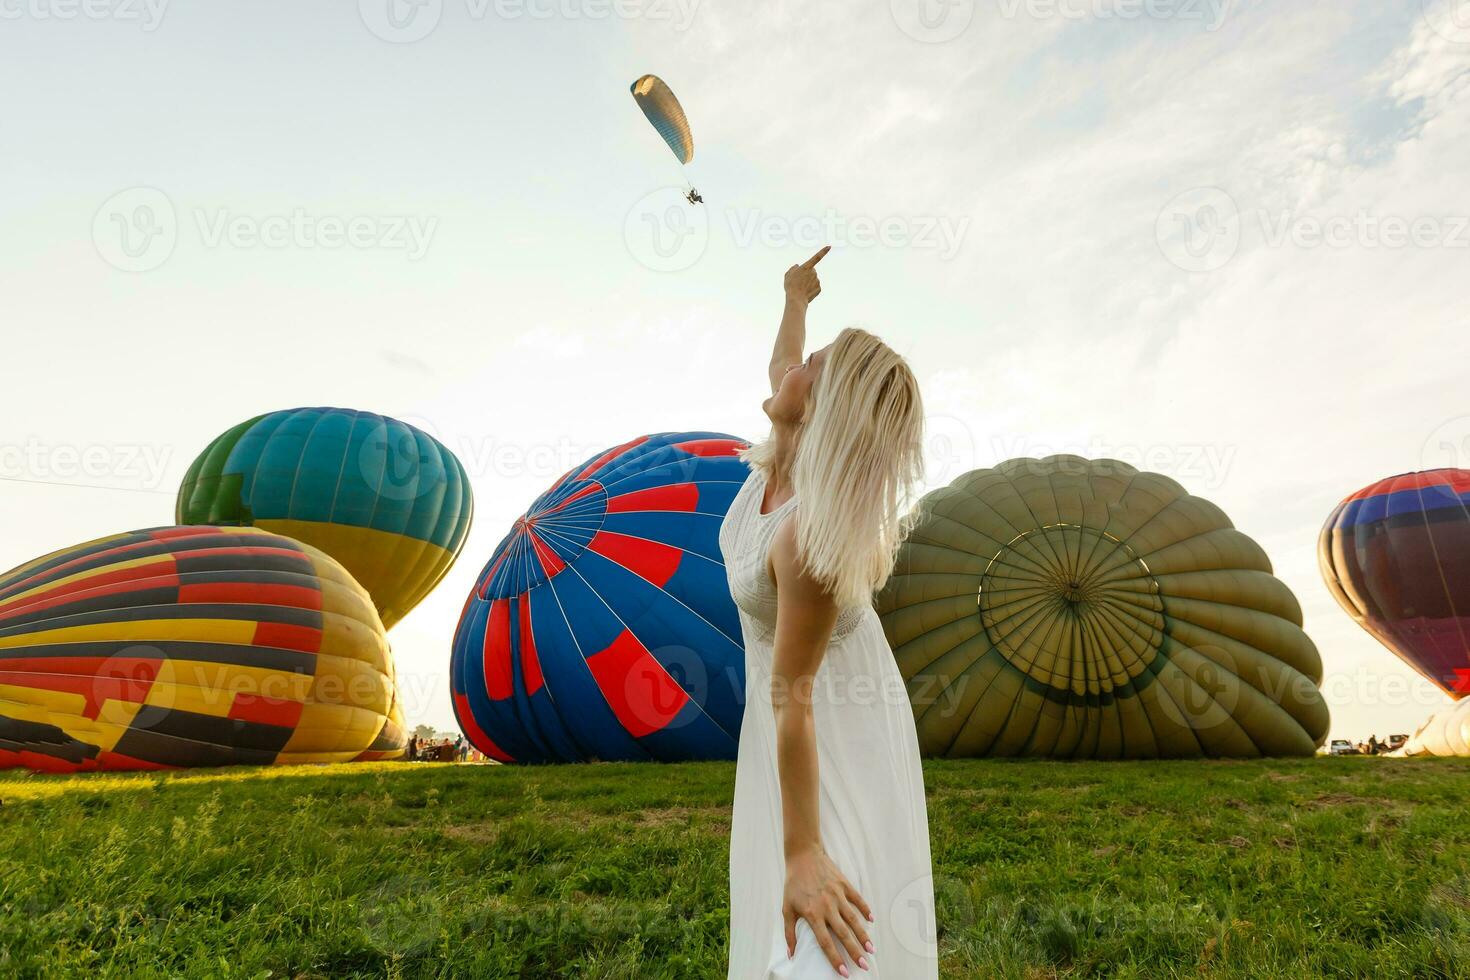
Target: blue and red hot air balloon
<point>602,627</point>
<point>1396,556</point>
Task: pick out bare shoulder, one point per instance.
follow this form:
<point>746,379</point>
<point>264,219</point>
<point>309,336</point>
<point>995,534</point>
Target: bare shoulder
<point>791,577</point>
<point>783,546</point>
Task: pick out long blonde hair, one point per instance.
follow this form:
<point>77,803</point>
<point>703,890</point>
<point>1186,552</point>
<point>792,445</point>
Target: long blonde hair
<point>858,461</point>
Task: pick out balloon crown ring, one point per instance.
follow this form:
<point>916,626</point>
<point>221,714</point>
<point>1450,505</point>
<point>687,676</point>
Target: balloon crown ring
<point>1071,578</point>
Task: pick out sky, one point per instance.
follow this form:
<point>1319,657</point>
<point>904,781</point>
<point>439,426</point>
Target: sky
<point>1224,241</point>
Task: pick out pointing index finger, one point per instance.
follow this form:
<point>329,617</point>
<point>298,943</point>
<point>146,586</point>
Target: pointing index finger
<point>812,262</point>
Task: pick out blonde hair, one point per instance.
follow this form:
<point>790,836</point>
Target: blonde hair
<point>858,461</point>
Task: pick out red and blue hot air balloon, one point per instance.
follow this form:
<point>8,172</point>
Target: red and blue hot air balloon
<point>602,627</point>
<point>1396,556</point>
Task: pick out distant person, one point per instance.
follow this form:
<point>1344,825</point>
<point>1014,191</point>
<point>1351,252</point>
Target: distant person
<point>828,788</point>
<point>413,747</point>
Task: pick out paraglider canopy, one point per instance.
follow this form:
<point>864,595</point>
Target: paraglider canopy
<point>657,101</point>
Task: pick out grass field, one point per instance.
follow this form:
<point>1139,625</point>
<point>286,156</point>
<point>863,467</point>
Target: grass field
<point>1325,867</point>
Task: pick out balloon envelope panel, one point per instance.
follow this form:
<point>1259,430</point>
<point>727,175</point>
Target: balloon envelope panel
<point>1444,733</point>
<point>1396,556</point>
<point>1077,608</point>
<point>387,500</point>
<point>602,626</point>
<point>191,646</point>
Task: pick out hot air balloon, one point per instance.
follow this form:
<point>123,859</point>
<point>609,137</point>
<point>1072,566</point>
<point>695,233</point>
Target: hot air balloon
<point>191,646</point>
<point>1396,556</point>
<point>1445,733</point>
<point>1076,608</point>
<point>658,103</point>
<point>602,626</point>
<point>384,498</point>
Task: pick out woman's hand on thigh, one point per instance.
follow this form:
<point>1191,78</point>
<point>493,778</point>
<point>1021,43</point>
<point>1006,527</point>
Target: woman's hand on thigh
<point>819,893</point>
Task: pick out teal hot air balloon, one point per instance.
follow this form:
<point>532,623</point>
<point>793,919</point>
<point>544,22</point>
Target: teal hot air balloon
<point>386,499</point>
<point>663,110</point>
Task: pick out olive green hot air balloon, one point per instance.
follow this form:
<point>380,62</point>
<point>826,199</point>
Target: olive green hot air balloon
<point>1076,608</point>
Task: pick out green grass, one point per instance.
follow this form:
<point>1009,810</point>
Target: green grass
<point>1322,867</point>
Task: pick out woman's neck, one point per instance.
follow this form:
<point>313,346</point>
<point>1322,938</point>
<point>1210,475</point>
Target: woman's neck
<point>778,479</point>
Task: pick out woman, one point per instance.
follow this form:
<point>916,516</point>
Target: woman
<point>829,846</point>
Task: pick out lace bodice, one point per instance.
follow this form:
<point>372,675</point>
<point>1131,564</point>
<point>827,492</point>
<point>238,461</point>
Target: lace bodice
<point>745,543</point>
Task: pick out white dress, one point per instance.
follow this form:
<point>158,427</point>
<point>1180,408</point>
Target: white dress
<point>873,822</point>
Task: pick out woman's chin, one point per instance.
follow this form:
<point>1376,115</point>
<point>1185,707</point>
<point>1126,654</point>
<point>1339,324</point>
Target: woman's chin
<point>779,414</point>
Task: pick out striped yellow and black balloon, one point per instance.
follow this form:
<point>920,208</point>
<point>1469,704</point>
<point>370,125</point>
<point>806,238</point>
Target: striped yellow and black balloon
<point>1076,608</point>
<point>191,646</point>
<point>384,498</point>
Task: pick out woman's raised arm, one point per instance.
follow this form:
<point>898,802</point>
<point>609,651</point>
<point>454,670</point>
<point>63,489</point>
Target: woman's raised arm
<point>802,286</point>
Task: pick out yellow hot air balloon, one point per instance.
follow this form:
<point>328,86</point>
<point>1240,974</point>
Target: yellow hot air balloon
<point>178,647</point>
<point>1075,608</point>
